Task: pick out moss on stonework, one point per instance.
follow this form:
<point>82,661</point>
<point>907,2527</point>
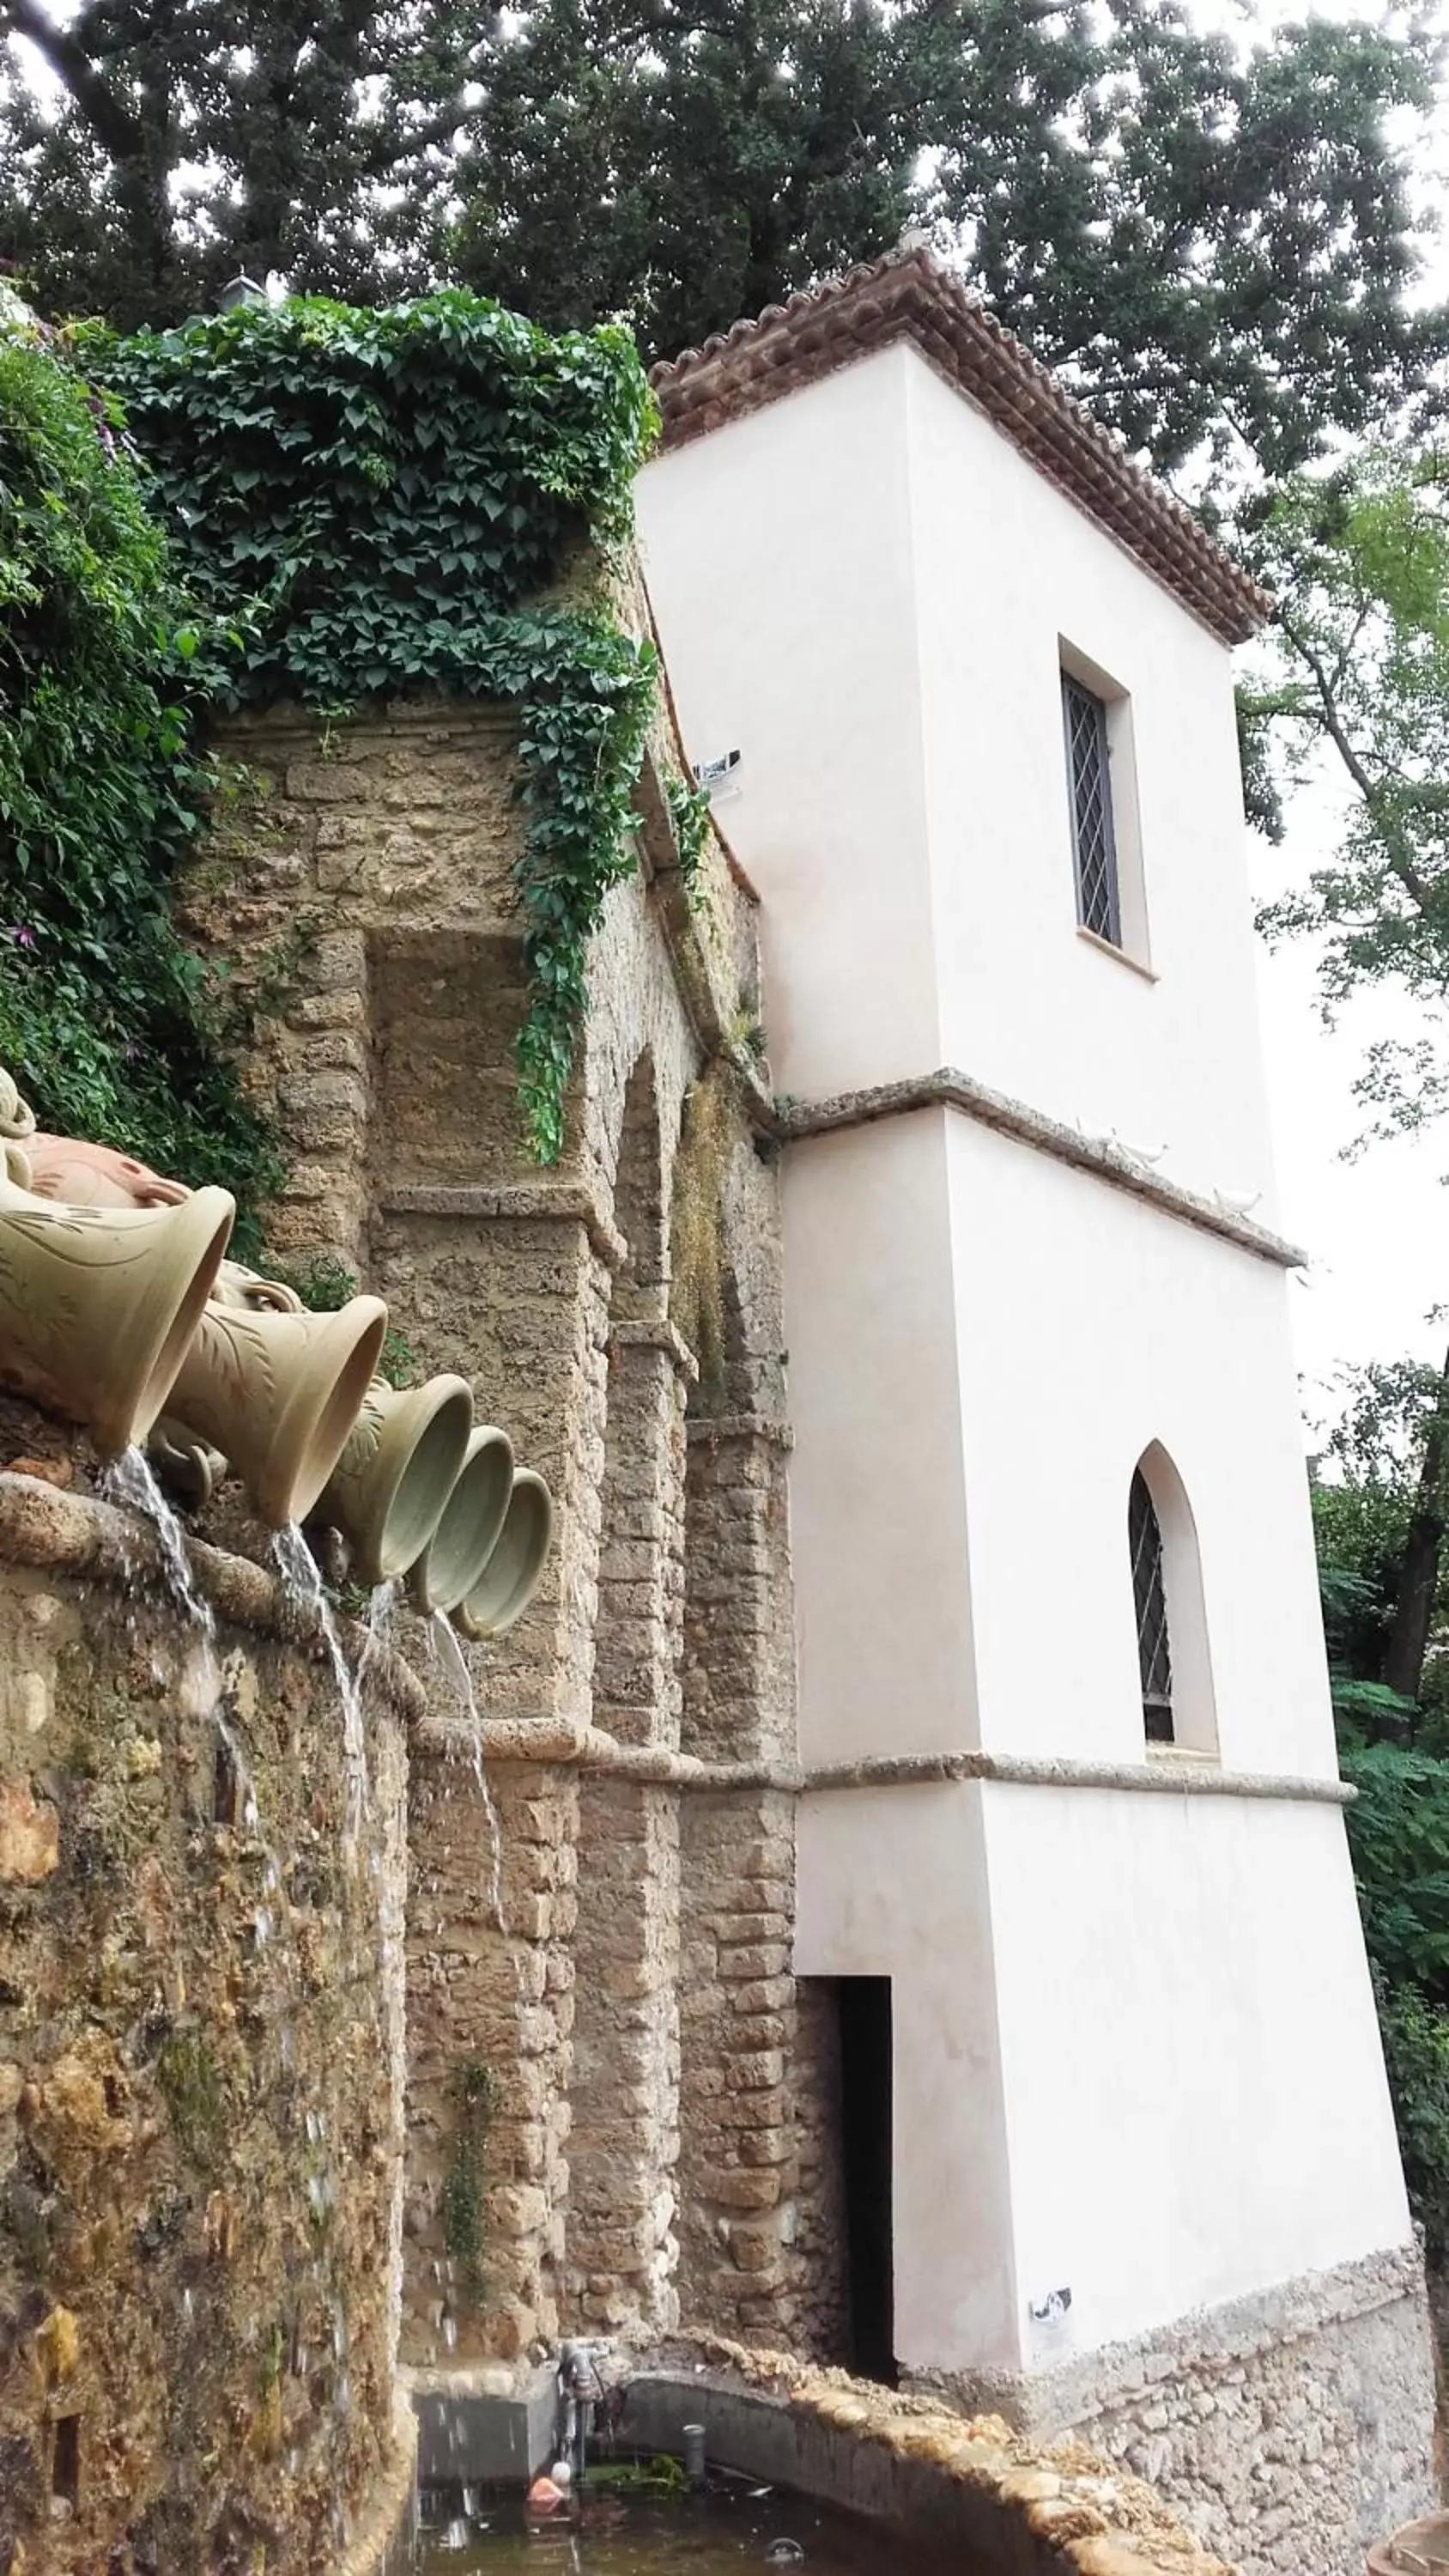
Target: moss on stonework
<point>476,2095</point>
<point>697,1228</point>
<point>191,2081</point>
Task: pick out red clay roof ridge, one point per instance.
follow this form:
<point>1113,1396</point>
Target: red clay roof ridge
<point>909,294</point>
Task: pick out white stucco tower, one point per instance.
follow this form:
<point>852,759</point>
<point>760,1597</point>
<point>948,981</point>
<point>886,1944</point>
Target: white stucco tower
<point>977,669</point>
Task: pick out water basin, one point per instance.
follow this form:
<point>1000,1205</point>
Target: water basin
<point>723,2531</point>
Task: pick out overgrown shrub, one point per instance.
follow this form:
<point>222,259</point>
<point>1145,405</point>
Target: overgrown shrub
<point>111,1025</point>
<point>1416,2051</point>
<point>1398,1831</point>
<point>380,502</point>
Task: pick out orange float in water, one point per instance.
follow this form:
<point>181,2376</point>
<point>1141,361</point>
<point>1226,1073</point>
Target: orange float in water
<point>544,2496</point>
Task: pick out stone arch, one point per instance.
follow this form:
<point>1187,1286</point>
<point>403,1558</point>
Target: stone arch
<point>621,2247</point>
<point>1174,1650</point>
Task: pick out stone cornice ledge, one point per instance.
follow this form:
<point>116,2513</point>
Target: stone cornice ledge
<point>949,1089</point>
<point>552,1201</point>
<point>1040,1771</point>
<point>655,1333</point>
<point>593,1748</point>
<point>707,1430</point>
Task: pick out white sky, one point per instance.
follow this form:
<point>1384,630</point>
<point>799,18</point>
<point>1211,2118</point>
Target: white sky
<point>1378,1228</point>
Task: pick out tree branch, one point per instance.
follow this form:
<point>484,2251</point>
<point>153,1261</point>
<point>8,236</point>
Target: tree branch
<point>1403,867</point>
<point>112,124</point>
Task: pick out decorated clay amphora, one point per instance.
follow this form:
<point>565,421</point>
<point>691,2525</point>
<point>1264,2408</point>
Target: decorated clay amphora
<point>514,1571</point>
<point>277,1389</point>
<point>391,1484</point>
<point>99,1304</point>
<point>473,1516</point>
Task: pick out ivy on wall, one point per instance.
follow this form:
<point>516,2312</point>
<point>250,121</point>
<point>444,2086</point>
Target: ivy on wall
<point>379,502</point>
<point>109,1023</point>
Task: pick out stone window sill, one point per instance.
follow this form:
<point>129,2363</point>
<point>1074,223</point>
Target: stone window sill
<point>1105,948</point>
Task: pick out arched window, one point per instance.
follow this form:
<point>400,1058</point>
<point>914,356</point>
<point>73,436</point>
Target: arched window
<point>1154,1650</point>
<point>1173,1662</point>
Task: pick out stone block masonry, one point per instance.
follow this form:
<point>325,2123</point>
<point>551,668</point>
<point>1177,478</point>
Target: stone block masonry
<point>1287,2427</point>
<point>634,2011</point>
<point>623,2112</point>
<point>1284,2428</point>
<point>200,2069</point>
<point>483,2222</point>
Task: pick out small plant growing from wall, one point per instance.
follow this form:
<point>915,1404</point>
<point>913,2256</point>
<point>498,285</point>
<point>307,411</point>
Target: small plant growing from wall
<point>190,2081</point>
<point>476,2095</point>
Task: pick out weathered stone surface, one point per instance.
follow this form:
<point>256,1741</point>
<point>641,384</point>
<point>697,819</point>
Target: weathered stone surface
<point>1287,2429</point>
<point>200,2092</point>
<point>29,1835</point>
<point>389,1068</point>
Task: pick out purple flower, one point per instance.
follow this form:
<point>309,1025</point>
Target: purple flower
<point>21,936</point>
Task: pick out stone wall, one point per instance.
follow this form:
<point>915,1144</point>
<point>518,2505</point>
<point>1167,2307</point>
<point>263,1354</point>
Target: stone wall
<point>200,2067</point>
<point>633,2001</point>
<point>1288,2429</point>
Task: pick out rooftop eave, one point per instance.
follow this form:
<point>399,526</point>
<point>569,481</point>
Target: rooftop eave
<point>909,296</point>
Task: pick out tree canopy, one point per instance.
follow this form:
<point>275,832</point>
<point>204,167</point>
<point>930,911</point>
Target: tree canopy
<point>1214,241</point>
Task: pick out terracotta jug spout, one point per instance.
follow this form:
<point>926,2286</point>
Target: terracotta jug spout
<point>514,1571</point>
<point>473,1517</point>
<point>394,1477</point>
<point>98,1305</point>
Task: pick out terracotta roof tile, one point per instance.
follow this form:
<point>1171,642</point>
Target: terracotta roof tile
<point>908,295</point>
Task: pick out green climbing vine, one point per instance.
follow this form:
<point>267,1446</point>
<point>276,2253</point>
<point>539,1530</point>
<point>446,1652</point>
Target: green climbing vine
<point>110,1024</point>
<point>378,502</point>
<point>689,816</point>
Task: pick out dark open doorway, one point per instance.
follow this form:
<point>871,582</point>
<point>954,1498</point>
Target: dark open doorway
<point>866,2133</point>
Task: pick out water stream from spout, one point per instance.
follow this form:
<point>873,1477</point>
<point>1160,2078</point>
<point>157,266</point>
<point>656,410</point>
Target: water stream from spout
<point>302,1577</point>
<point>455,1664</point>
<point>131,1481</point>
<point>132,1484</point>
<point>382,1602</point>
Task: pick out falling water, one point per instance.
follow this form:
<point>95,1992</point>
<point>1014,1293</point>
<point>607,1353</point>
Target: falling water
<point>381,1604</point>
<point>129,1481</point>
<point>455,1664</point>
<point>132,1483</point>
<point>300,1573</point>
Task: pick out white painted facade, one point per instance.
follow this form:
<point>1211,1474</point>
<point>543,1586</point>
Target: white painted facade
<point>1135,2048</point>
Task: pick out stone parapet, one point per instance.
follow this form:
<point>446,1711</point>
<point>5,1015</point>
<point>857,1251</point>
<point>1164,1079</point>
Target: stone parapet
<point>1043,2508</point>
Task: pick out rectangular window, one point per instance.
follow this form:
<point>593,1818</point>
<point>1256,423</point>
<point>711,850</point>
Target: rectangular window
<point>1089,781</point>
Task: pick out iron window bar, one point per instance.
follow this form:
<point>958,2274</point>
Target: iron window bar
<point>1154,1652</point>
<point>1094,844</point>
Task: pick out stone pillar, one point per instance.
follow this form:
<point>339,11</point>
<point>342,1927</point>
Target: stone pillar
<point>490,2023</point>
<point>739,2164</point>
<point>517,1305</point>
<point>621,2242</point>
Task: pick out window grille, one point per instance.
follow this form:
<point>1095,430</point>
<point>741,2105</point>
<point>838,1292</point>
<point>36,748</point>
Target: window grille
<point>1094,848</point>
<point>1154,1655</point>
